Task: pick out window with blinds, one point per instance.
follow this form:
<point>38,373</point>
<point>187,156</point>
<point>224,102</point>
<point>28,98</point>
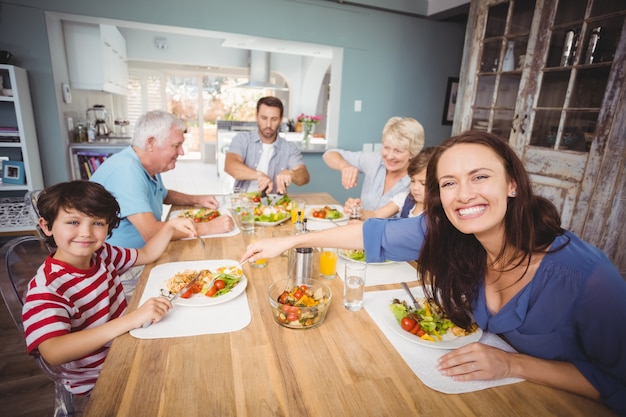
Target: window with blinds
<point>198,98</point>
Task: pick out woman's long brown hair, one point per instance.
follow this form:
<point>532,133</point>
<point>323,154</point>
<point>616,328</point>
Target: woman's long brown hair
<point>456,262</point>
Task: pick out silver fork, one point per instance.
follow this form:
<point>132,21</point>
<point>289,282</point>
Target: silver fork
<point>416,304</point>
<point>201,242</point>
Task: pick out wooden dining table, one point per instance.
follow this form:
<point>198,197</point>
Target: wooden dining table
<point>344,367</point>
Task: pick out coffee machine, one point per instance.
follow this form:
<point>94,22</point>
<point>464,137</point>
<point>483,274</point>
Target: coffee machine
<point>97,117</point>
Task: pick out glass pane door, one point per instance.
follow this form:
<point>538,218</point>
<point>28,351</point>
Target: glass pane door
<point>573,82</point>
<point>503,56</point>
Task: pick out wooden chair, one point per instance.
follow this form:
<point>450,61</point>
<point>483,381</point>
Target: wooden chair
<point>19,260</point>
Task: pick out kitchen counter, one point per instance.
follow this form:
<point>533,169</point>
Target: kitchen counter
<point>111,140</point>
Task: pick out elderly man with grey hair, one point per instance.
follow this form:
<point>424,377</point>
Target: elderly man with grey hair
<point>133,176</point>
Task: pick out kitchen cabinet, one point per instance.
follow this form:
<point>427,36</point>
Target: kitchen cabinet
<point>96,57</point>
<point>85,158</point>
<point>18,143</point>
<point>559,102</point>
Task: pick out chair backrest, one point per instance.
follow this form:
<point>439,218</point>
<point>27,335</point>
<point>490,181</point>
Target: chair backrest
<point>19,260</point>
<point>30,199</point>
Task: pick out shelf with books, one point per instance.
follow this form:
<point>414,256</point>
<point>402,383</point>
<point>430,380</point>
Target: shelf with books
<point>19,150</point>
<point>85,158</point>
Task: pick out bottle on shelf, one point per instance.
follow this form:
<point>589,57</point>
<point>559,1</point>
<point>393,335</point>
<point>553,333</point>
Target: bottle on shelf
<point>508,63</point>
<point>593,43</point>
<point>569,48</point>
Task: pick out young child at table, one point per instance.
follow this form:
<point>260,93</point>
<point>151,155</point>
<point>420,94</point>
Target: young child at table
<point>75,304</point>
<point>408,203</point>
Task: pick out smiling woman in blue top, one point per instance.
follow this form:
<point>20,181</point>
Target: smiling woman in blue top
<point>386,171</point>
<point>133,176</point>
<point>492,248</point>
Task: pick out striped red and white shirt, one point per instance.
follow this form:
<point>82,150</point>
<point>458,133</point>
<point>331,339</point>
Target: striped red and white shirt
<point>62,299</point>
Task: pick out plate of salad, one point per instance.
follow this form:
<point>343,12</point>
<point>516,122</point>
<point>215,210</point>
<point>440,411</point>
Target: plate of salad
<point>326,213</point>
<point>358,255</point>
<point>171,277</point>
<point>198,215</point>
<point>270,215</point>
<point>427,326</point>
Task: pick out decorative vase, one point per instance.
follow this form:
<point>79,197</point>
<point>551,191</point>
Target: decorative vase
<point>508,64</point>
<point>307,128</point>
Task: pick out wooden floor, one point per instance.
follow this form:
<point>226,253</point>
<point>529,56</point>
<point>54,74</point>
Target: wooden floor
<point>24,389</point>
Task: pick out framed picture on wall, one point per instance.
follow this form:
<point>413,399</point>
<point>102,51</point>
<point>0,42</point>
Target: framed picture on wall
<point>13,172</point>
<point>451,94</point>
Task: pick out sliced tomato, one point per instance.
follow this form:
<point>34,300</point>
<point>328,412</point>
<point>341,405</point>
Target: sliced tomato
<point>283,297</point>
<point>292,316</point>
<point>211,292</point>
<point>298,294</point>
<point>187,293</point>
<point>219,284</point>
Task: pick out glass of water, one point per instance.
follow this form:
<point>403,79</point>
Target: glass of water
<point>354,286</point>
<point>246,215</point>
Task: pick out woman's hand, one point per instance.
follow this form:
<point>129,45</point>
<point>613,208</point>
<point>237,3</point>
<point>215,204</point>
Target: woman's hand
<point>349,176</point>
<point>475,361</point>
<point>267,248</point>
<point>350,204</point>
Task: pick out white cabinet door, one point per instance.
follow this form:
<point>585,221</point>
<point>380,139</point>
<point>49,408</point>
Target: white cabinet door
<point>96,57</point>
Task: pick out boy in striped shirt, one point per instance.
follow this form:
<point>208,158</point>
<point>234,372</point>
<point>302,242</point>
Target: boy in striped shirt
<point>75,304</point>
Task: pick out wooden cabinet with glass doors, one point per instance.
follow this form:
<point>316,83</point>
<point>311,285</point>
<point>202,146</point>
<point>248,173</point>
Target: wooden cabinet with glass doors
<point>548,75</point>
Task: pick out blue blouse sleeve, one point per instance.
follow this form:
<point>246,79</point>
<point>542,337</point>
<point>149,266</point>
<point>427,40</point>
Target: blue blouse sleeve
<point>600,317</point>
<point>393,239</point>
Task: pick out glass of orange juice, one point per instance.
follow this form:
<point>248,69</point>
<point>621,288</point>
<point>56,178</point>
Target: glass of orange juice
<point>258,263</point>
<point>297,205</point>
<point>328,263</point>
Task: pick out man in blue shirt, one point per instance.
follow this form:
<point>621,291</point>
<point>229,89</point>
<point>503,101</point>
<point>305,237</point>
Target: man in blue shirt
<point>262,160</point>
<point>133,176</point>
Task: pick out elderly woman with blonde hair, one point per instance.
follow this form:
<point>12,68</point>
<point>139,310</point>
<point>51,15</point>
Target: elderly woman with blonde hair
<point>386,172</point>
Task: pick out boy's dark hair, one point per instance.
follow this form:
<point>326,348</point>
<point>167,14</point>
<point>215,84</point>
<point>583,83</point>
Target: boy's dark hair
<point>271,102</point>
<point>87,197</point>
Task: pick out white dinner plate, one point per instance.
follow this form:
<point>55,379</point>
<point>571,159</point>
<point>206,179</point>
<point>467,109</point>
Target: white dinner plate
<point>347,258</point>
<point>179,213</point>
<point>308,213</point>
<point>160,274</point>
<point>272,223</point>
<point>449,341</point>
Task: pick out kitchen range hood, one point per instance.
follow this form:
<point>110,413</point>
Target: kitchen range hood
<point>260,72</point>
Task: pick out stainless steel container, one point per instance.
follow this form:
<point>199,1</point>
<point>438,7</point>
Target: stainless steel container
<point>300,264</point>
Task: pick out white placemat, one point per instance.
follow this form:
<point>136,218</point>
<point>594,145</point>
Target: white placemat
<point>224,212</point>
<point>182,321</point>
<point>423,360</point>
<point>314,225</point>
<point>385,273</point>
